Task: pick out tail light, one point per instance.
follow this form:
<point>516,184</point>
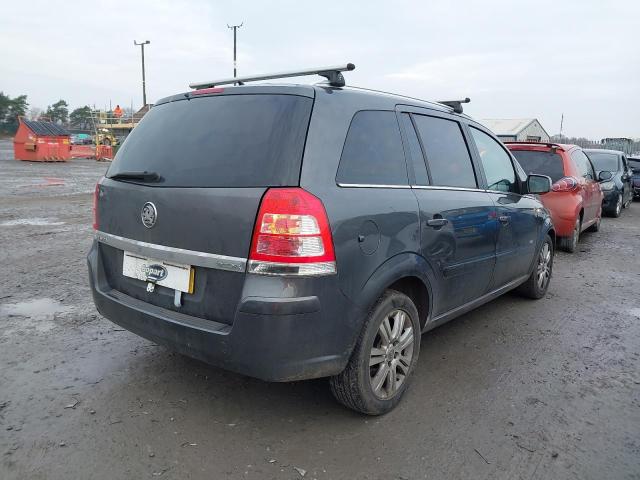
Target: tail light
<point>96,194</point>
<point>292,235</point>
<point>565,184</point>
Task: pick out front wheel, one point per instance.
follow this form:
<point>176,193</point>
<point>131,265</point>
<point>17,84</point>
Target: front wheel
<point>537,284</point>
<point>383,359</point>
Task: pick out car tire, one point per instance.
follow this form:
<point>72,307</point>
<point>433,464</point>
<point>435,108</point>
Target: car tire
<point>537,284</point>
<point>569,244</point>
<point>385,355</point>
<point>615,211</point>
<point>596,225</point>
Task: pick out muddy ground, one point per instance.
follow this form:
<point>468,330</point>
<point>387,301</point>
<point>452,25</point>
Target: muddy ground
<point>516,389</point>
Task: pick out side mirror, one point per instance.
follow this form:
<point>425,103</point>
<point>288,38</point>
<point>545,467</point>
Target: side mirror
<point>604,175</point>
<point>538,184</point>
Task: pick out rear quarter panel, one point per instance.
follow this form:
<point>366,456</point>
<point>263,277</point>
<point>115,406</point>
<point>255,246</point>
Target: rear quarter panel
<point>386,219</point>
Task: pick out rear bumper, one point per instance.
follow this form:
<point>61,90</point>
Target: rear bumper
<point>272,338</point>
<point>564,208</point>
<point>563,226</point>
<point>610,198</point>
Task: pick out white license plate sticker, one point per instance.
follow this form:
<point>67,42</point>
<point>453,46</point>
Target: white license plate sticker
<point>171,275</point>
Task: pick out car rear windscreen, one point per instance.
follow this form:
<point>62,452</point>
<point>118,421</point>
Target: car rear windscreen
<point>607,162</point>
<point>220,141</point>
<point>634,164</point>
<point>541,163</point>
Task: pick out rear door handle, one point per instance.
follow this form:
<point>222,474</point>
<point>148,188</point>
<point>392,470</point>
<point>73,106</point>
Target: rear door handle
<point>504,218</point>
<point>437,222</point>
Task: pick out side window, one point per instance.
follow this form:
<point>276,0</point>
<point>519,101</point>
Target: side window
<point>496,163</point>
<point>447,154</point>
<point>415,152</point>
<point>584,164</point>
<point>372,153</point>
<point>625,165</point>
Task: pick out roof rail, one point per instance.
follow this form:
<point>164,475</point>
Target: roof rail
<point>332,74</point>
<point>455,104</point>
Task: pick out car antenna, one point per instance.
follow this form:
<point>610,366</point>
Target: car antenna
<point>332,74</point>
<point>455,104</point>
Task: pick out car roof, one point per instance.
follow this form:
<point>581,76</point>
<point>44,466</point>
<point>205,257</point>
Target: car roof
<point>603,150</point>
<point>397,99</point>
<point>357,93</point>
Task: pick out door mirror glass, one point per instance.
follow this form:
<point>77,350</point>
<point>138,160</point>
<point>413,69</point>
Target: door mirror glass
<point>604,175</point>
<point>538,183</point>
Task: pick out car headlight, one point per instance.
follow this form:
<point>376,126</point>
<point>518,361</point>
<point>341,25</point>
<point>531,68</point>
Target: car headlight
<point>607,185</point>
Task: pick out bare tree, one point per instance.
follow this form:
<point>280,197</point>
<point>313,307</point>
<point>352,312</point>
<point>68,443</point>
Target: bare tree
<point>34,113</point>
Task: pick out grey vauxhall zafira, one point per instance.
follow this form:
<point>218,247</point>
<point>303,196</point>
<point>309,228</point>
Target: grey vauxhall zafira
<point>289,232</point>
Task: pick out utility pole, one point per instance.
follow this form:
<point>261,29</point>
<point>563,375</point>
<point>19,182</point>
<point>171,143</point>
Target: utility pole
<point>561,122</point>
<point>144,87</point>
<point>235,28</point>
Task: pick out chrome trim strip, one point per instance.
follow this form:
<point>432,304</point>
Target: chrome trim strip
<point>503,192</point>
<point>314,269</point>
<point>178,255</point>
<point>439,187</point>
<point>365,185</point>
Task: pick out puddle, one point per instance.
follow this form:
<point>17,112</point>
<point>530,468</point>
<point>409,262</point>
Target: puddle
<point>30,221</point>
<point>39,312</point>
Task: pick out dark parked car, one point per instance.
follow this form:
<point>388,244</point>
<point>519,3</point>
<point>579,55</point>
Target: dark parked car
<point>634,163</point>
<point>618,193</point>
<point>293,231</point>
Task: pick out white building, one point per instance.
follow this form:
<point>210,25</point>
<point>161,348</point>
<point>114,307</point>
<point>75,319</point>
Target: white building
<point>517,129</point>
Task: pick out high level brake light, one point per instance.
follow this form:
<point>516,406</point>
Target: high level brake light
<point>292,235</point>
<point>565,184</point>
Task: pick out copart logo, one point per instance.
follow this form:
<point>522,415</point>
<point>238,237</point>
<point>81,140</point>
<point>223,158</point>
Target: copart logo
<point>155,272</point>
<point>149,215</point>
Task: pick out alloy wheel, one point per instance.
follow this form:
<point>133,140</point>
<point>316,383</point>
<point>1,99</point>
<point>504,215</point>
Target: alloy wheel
<point>543,270</point>
<point>391,354</point>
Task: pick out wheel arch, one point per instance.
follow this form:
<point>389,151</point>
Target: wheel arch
<point>547,229</point>
<point>552,233</point>
<point>408,273</point>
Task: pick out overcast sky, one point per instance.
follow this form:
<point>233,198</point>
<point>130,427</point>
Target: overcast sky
<point>514,59</point>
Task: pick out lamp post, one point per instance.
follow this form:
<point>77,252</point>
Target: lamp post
<point>235,28</point>
<point>144,87</point>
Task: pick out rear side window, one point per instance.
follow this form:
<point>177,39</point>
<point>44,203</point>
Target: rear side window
<point>415,152</point>
<point>220,141</point>
<point>447,155</point>
<point>540,163</point>
<point>372,153</point>
<point>583,164</point>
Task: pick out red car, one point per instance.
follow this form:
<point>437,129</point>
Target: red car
<point>575,199</point>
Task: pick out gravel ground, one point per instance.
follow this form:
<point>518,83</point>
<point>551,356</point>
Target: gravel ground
<point>516,389</point>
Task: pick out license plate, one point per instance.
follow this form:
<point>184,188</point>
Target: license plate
<point>171,275</point>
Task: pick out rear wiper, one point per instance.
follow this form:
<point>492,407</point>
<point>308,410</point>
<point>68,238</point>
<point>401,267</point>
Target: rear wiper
<point>144,176</point>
